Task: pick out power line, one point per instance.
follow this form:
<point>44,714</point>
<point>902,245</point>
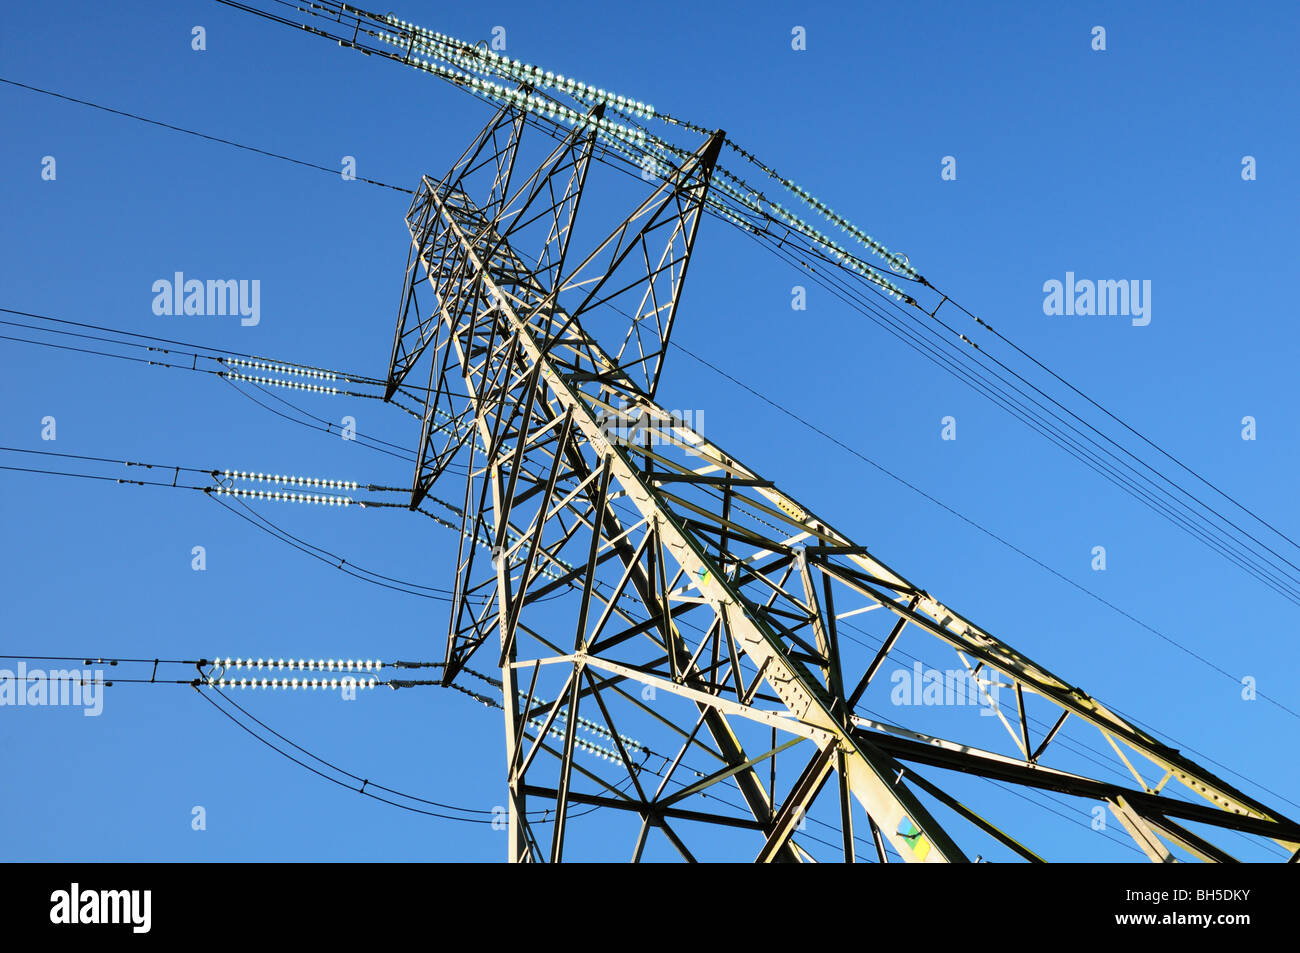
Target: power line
<point>1226,548</point>
<point>192,132</point>
<point>359,790</point>
<point>334,560</point>
<point>1022,378</point>
<point>973,523</point>
<point>853,451</point>
<point>327,425</point>
<point>342,565</point>
<point>955,363</point>
<point>1136,433</point>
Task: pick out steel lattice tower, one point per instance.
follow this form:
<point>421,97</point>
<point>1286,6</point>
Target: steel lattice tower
<point>625,574</point>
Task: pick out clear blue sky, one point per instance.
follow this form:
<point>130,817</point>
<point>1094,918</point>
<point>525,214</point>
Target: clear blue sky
<point>1117,164</point>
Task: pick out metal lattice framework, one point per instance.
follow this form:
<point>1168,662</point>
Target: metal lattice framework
<point>628,577</point>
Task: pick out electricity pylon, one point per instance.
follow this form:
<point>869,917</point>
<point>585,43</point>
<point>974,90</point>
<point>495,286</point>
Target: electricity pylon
<point>629,577</point>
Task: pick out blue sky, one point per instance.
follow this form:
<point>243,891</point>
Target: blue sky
<point>1117,164</point>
